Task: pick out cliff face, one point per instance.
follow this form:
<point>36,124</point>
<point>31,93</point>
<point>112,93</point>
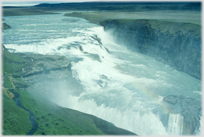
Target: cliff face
<point>174,43</point>
<point>190,110</point>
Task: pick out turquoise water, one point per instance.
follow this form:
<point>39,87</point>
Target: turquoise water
<point>120,86</point>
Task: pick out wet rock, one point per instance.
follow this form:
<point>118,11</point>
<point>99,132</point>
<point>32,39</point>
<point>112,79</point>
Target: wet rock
<point>191,111</point>
<point>38,64</point>
<point>189,103</point>
<point>178,45</point>
<point>171,99</point>
<point>94,56</point>
<point>6,26</point>
<point>95,37</point>
<point>81,49</point>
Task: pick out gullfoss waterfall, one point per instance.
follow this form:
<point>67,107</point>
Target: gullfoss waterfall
<point>107,80</point>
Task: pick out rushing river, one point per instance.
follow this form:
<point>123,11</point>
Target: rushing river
<point>108,80</point>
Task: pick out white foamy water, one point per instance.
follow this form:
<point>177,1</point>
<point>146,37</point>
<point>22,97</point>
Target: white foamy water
<point>111,82</point>
<point>199,128</point>
<point>175,124</point>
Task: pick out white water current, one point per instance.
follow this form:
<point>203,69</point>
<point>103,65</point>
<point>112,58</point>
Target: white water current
<point>113,83</point>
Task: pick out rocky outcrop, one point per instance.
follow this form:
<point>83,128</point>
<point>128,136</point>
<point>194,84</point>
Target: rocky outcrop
<point>6,26</point>
<point>171,99</point>
<point>191,111</point>
<point>174,43</point>
<point>24,65</point>
<point>38,64</point>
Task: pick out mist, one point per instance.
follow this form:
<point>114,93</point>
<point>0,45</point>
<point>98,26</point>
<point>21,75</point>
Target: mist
<point>107,77</point>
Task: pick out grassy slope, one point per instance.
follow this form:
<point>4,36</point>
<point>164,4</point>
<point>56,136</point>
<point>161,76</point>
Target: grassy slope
<point>55,120</point>
<point>51,119</point>
<point>15,120</point>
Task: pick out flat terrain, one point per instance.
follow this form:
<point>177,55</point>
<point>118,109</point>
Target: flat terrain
<point>96,11</point>
<point>167,15</point>
<point>96,16</point>
<point>23,11</point>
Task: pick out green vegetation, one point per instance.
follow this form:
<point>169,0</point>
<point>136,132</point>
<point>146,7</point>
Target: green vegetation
<point>51,118</point>
<point>7,82</point>
<point>12,63</point>
<point>55,120</point>
<point>15,119</point>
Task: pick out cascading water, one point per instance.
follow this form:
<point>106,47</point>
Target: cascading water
<point>175,124</point>
<point>198,130</point>
<point>108,80</point>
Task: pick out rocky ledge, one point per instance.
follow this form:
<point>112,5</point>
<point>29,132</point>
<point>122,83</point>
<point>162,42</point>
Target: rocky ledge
<point>177,44</point>
<point>190,110</point>
<point>24,65</point>
<point>38,64</point>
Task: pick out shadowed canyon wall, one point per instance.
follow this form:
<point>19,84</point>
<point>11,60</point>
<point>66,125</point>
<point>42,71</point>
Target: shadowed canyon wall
<point>174,43</point>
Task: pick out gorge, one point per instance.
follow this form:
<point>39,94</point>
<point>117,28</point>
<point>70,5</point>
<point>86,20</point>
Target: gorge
<point>140,71</point>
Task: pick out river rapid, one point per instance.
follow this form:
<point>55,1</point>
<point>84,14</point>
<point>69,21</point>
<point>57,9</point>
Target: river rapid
<point>107,80</point>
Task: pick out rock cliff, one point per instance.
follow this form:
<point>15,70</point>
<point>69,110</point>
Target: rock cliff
<point>190,110</point>
<point>177,44</point>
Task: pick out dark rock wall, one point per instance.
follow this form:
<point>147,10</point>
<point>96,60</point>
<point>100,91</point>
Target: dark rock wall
<point>5,26</point>
<point>191,111</point>
<point>174,43</point>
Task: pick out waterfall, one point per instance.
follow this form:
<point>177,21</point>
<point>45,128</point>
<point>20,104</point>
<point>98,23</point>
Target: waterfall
<point>141,123</point>
<point>198,130</point>
<point>108,80</point>
<point>175,124</point>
